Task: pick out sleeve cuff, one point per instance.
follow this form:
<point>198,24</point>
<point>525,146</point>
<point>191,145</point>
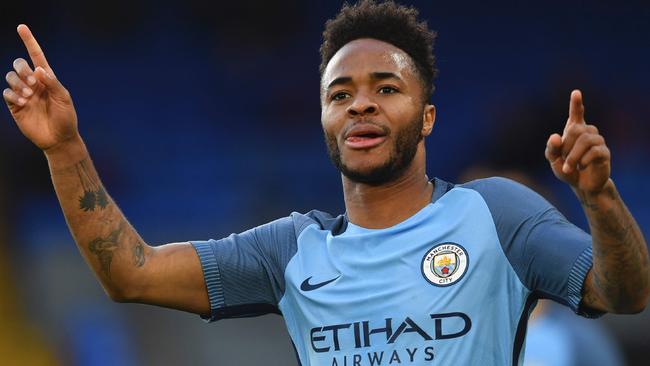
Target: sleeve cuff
<point>212,277</point>
<point>577,276</point>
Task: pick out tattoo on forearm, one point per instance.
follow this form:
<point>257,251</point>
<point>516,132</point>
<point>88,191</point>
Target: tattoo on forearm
<point>138,254</point>
<point>587,203</point>
<point>615,227</point>
<point>618,251</point>
<point>94,194</point>
<point>104,249</point>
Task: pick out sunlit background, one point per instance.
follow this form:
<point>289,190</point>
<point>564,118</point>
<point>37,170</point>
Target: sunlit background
<point>203,119</point>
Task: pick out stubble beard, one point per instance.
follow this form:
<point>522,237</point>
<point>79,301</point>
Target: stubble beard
<point>405,145</point>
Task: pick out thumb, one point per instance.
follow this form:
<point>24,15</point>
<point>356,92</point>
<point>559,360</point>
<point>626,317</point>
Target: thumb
<point>51,83</point>
<point>553,151</point>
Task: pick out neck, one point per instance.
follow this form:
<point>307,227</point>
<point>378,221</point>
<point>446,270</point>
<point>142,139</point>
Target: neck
<point>378,207</point>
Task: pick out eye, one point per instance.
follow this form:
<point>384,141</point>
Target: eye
<point>340,96</point>
<point>387,90</point>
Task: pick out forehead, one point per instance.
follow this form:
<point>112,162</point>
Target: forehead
<point>366,55</point>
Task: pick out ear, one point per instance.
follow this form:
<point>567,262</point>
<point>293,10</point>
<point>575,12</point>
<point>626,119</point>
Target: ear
<point>428,119</point>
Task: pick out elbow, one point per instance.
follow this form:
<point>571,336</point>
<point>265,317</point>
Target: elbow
<point>120,294</point>
<point>120,297</point>
<point>116,295</point>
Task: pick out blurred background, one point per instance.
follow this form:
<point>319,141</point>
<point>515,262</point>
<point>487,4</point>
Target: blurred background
<point>203,119</point>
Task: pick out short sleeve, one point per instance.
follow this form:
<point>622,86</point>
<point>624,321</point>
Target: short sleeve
<point>244,273</point>
<point>550,255</point>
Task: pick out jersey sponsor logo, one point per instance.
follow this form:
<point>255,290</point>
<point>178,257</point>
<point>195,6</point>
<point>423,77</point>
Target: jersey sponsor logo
<point>328,338</point>
<point>445,264</point>
<point>306,286</point>
<point>364,342</point>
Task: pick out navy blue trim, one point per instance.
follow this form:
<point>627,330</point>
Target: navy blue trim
<point>340,225</point>
<point>337,225</point>
<point>212,277</point>
<point>577,277</point>
<point>245,311</point>
<point>295,350</point>
<point>440,187</point>
<point>520,335</point>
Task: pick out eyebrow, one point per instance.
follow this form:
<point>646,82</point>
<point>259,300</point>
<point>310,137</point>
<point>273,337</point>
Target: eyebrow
<point>339,81</point>
<point>378,75</point>
<point>384,76</point>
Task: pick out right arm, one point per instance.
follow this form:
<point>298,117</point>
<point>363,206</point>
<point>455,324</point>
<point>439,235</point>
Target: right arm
<point>128,269</point>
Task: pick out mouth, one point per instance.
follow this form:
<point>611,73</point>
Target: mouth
<point>365,136</point>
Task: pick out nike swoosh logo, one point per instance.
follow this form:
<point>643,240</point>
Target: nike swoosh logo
<point>306,286</point>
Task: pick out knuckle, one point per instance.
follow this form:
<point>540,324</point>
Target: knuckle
<point>599,154</point>
<point>594,139</point>
<point>575,129</point>
<point>587,138</point>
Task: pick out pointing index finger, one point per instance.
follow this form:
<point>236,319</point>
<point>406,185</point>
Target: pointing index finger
<point>576,108</point>
<point>33,48</point>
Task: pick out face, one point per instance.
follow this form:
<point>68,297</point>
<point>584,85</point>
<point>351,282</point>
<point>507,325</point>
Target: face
<point>373,114</point>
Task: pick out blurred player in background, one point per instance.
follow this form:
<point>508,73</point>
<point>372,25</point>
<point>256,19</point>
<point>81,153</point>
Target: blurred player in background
<point>416,269</point>
<point>557,338</point>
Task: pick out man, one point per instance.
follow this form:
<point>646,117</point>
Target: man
<point>416,270</point>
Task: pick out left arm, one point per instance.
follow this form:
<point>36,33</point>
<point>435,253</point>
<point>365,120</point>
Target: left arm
<point>619,281</point>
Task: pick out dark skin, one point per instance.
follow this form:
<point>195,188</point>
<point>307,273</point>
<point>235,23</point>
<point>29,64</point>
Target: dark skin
<point>619,281</point>
<point>392,103</point>
<point>380,88</point>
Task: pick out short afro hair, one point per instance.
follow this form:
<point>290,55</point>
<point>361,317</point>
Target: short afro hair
<point>388,22</point>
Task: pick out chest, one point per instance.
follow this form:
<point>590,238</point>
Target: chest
<point>435,263</point>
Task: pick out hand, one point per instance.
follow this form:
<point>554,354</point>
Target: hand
<point>40,105</point>
<point>579,157</point>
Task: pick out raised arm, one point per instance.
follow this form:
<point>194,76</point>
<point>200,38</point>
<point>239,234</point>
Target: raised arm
<point>619,281</point>
<point>128,269</point>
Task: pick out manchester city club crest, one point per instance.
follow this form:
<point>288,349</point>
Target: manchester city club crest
<point>445,264</point>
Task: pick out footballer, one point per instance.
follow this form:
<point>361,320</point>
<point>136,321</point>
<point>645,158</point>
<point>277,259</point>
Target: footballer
<point>417,270</point>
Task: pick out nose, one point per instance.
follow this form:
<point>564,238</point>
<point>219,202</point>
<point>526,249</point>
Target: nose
<point>362,105</point>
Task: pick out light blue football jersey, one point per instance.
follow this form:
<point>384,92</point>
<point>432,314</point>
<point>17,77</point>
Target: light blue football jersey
<point>453,284</point>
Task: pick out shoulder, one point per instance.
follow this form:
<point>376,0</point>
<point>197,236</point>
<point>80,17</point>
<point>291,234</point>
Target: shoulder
<point>323,221</point>
<point>496,185</point>
<point>505,194</point>
<point>287,229</point>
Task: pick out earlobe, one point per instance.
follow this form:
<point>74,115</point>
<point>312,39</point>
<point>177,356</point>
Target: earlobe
<point>428,119</point>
